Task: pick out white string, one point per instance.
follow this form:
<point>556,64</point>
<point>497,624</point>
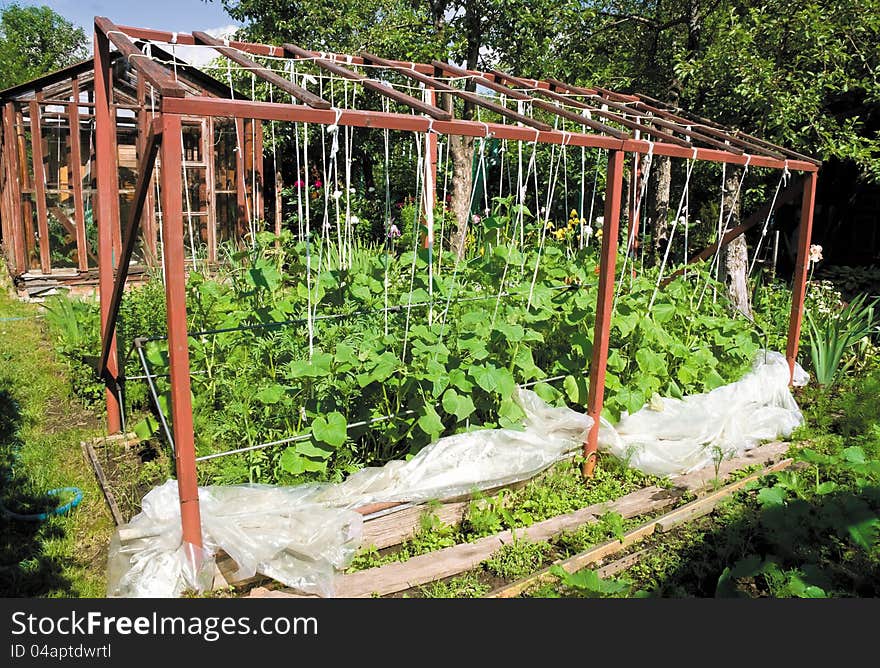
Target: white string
<point>156,184</point>
<point>280,206</point>
<point>687,181</point>
<point>591,220</point>
<point>388,237</point>
<point>415,233</point>
<point>554,177</point>
<point>783,180</point>
<point>520,222</point>
<point>643,188</point>
<point>189,221</point>
<point>309,315</point>
<point>716,265</point>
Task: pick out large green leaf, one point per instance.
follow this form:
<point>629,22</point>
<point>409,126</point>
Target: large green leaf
<point>331,429</point>
<point>457,404</point>
<point>430,423</point>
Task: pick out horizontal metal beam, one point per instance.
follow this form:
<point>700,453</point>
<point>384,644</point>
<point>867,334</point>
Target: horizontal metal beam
<point>442,87</point>
<point>523,97</point>
<point>129,236</point>
<point>706,125</point>
<point>157,75</point>
<point>598,110</point>
<point>269,111</point>
<point>646,119</point>
<point>372,84</point>
<point>561,99</point>
<point>263,73</point>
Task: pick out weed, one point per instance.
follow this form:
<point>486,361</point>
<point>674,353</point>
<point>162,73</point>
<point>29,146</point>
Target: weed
<point>462,586</point>
<point>515,560</point>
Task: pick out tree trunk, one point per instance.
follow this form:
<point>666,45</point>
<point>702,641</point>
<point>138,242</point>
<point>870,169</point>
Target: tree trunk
<point>461,148</point>
<point>462,182</point>
<point>658,221</point>
<point>736,253</point>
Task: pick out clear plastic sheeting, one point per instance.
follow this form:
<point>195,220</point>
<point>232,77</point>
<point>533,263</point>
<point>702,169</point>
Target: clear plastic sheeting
<point>675,436</point>
<point>300,536</point>
<point>265,529</point>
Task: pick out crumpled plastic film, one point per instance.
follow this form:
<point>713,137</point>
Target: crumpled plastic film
<point>300,536</point>
<point>698,430</point>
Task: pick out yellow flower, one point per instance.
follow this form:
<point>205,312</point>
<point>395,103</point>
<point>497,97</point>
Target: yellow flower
<point>550,225</point>
<point>560,234</point>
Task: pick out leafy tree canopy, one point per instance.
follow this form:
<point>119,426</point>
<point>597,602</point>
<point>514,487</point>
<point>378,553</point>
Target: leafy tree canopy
<point>805,74</point>
<point>35,41</point>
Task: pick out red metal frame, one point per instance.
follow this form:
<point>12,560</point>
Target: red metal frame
<point>178,341</point>
<point>107,210</point>
<point>723,146</point>
<point>799,284</point>
<point>605,300</point>
<point>40,186</point>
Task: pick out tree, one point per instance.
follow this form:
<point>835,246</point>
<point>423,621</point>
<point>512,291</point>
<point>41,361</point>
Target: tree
<point>471,33</point>
<point>34,41</point>
<point>803,75</point>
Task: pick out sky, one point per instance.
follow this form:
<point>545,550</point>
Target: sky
<point>179,15</point>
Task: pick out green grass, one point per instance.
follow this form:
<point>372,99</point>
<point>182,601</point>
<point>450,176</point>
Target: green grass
<point>41,426</point>
<point>559,490</point>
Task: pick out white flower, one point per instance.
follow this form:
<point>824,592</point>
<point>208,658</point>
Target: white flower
<point>600,220</point>
<point>354,220</point>
<point>588,231</point>
<point>337,194</point>
<point>371,189</point>
<point>815,253</point>
<point>351,190</point>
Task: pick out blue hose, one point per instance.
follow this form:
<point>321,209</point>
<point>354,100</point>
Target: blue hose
<point>60,510</point>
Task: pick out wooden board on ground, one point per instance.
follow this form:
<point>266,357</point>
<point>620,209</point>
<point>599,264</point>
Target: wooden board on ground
<point>694,509</point>
<point>395,577</point>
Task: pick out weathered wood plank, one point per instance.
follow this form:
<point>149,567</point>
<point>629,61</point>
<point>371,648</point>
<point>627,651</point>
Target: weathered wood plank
<point>452,560</point>
<point>692,510</point>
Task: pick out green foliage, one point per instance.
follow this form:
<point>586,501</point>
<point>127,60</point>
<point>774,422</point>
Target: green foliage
<point>853,281</point>
<point>518,559</point>
<point>35,41</point>
<point>74,327</point>
<point>586,583</point>
<point>259,382</point>
<point>832,337</point>
<point>461,586</point>
<point>810,531</point>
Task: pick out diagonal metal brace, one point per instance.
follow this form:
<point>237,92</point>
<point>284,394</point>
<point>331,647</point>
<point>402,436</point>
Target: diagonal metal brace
<point>129,236</point>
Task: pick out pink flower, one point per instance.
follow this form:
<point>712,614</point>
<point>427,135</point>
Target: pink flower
<point>476,218</point>
<point>299,183</point>
<point>318,183</point>
<point>394,232</point>
<point>815,253</point>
